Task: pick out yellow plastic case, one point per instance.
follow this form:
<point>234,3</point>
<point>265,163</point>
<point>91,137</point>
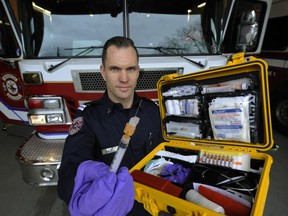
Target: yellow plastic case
<point>157,201</point>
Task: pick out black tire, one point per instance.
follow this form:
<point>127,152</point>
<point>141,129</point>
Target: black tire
<point>279,110</point>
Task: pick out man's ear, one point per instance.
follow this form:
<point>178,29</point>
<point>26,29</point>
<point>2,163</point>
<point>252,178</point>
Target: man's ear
<point>102,71</point>
<point>138,68</point>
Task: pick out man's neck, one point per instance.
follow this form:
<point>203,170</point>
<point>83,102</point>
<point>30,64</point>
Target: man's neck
<point>126,103</point>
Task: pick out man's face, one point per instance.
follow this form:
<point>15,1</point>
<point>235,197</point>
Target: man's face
<point>121,72</point>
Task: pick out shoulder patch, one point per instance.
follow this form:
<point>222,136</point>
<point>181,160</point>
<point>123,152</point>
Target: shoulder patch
<point>76,125</point>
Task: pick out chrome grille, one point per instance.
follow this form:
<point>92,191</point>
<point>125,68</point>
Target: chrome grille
<point>92,81</point>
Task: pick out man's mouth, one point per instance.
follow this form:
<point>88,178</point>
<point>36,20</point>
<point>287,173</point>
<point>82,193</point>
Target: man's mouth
<point>124,88</point>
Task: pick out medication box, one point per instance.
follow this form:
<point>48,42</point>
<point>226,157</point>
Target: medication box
<point>217,126</point>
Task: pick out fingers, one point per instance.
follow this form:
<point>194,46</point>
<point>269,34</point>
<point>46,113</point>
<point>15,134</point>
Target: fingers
<point>122,200</point>
<point>98,191</point>
<point>94,187</point>
<point>93,170</point>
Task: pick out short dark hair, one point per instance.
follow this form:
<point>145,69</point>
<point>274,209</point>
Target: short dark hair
<point>119,42</point>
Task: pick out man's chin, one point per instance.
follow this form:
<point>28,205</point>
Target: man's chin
<point>124,95</point>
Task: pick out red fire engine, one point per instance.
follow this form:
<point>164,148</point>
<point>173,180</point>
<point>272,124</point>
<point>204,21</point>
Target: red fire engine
<point>50,56</point>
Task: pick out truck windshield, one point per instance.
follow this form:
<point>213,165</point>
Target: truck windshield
<point>65,28</point>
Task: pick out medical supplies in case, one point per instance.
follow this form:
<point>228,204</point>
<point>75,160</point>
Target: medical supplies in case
<point>217,125</point>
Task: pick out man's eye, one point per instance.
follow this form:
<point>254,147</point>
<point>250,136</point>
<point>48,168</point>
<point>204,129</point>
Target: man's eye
<point>114,69</point>
<point>131,69</point>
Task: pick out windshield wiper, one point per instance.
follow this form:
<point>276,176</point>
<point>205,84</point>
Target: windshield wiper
<point>168,51</point>
<point>86,51</point>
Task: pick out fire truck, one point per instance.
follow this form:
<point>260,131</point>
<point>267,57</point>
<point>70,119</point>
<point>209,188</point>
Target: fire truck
<point>275,52</point>
<point>50,57</point>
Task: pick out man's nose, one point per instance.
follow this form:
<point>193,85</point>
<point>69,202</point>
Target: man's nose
<point>124,76</point>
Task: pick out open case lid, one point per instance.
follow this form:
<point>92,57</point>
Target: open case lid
<point>227,106</point>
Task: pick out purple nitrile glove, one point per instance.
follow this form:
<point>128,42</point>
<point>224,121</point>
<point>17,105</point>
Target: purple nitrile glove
<point>175,173</point>
<point>97,191</point>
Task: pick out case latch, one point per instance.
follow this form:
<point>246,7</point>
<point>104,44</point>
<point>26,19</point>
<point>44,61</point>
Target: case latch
<point>169,77</point>
<point>237,58</point>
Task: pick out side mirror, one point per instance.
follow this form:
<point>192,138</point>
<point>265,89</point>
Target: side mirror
<point>247,31</point>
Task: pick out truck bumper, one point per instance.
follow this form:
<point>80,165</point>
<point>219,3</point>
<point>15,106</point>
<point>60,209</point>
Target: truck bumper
<point>40,159</point>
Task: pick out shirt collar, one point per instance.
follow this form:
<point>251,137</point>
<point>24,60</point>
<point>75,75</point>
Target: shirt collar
<point>110,106</point>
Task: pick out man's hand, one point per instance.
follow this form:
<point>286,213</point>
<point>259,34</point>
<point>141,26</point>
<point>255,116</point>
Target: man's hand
<point>97,191</point>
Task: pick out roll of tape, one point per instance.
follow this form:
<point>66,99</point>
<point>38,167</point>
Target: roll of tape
<point>169,107</point>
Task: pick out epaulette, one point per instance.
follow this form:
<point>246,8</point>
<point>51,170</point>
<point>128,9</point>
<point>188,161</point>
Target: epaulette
<point>154,101</point>
<point>87,104</point>
<point>81,107</point>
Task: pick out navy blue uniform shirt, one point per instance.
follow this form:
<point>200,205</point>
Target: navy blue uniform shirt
<point>99,128</point>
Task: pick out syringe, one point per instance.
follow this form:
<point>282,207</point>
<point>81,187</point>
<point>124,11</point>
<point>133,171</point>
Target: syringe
<point>124,142</point>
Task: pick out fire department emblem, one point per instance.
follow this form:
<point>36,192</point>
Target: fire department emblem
<point>76,125</point>
<point>11,87</point>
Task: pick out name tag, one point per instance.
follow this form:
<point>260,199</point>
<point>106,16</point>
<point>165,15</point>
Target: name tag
<point>109,150</point>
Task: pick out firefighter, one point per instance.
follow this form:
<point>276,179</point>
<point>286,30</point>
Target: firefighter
<point>85,182</point>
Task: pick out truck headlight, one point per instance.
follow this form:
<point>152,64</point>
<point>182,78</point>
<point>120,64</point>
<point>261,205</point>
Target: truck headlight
<point>54,118</point>
<point>48,110</point>
<point>32,78</point>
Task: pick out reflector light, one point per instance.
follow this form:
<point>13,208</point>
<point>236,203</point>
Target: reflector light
<point>35,104</point>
